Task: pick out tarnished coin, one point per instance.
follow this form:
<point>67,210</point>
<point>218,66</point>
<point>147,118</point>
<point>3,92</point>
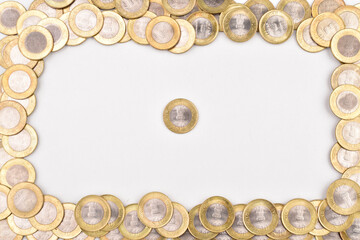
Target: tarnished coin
<point>346,74</point>
<point>113,235</point>
<point>322,6</point>
<point>354,230</point>
<point>137,28</point>
<point>217,214</point>
<point>206,27</point>
<point>132,227</point>
<point>180,116</point>
<point>6,233</point>
<point>280,231</point>
<point>40,235</point>
<point>179,7</point>
<point>74,39</point>
<point>331,220</point>
<point>213,6</point>
<point>4,210</point>
<point>343,159</point>
<point>196,228</point>
<point>259,8</point>
<point>68,228</point>
<point>299,10</point>
<point>59,3</point>
<point>350,15</point>
<point>178,224</point>
<point>58,30</point>
<point>29,18</point>
<point>260,217</point>
<point>187,37</point>
<point>319,229</point>
<point>299,216</point>
<point>9,14</point>
<point>132,9</point>
<point>156,7</point>
<point>12,118</point>
<point>20,226</point>
<point>276,26</point>
<point>348,134</point>
<point>353,173</point>
<point>345,46</point>
<point>13,56</point>
<point>324,27</point>
<point>304,38</point>
<point>28,103</point>
<point>113,29</point>
<point>17,171</point>
<point>117,212</point>
<point>163,33</point>
<point>104,4</point>
<point>344,101</point>
<point>39,68</point>
<point>3,43</point>
<point>238,229</point>
<point>42,6</point>
<point>343,196</point>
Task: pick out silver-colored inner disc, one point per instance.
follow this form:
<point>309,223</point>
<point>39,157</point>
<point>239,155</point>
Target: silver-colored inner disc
<point>21,141</point>
<point>260,217</point>
<point>25,200</point>
<point>9,117</point>
<point>175,222</point>
<point>9,17</point>
<point>131,5</point>
<point>349,77</point>
<point>92,213</point>
<point>299,216</point>
<point>240,24</point>
<point>155,210</point>
<point>348,158</point>
<point>47,215</point>
<point>162,32</point>
<point>19,81</point>
<point>276,26</point>
<point>140,25</point>
<point>35,42</point>
<point>327,28</point>
<point>348,46</point>
<point>345,196</point>
<point>307,37</point>
<point>132,223</point>
<point>110,29</point>
<point>180,116</point>
<point>69,223</point>
<point>178,4</point>
<point>203,28</point>
<point>295,10</point>
<point>259,10</point>
<point>334,218</point>
<point>17,174</point>
<point>347,102</point>
<point>217,214</point>
<point>86,20</point>
<point>350,19</point>
<point>351,132</point>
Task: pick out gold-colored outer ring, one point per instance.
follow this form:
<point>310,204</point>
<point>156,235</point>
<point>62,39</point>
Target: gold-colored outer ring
<point>34,6</point>
<point>324,222</point>
<point>23,118</point>
<point>63,28</point>
<point>352,9</point>
<point>132,33</point>
<point>159,2</point>
<point>218,9</point>
<point>193,231</point>
<point>271,39</point>
<point>334,159</point>
<point>350,172</point>
<point>17,230</point>
<point>132,15</point>
<point>107,5</point>
<point>339,70</point>
<point>126,233</point>
<point>7,54</point>
<point>184,225</point>
<point>330,196</point>
<point>315,6</point>
<point>99,20</point>
<point>31,102</point>
<point>318,232</point>
<point>344,234</point>
<point>279,236</point>
<point>173,41</point>
<point>285,214</point>
<point>266,3</point>
<point>72,234</point>
<point>246,217</point>
<point>339,136</point>
<point>282,4</point>
<point>39,203</point>
<point>75,41</point>
<point>214,23</point>
<point>191,40</point>
<point>217,200</point>
<point>334,45</point>
<point>10,4</point>
<point>96,234</point>
<point>333,101</point>
<point>120,218</point>
<point>232,233</point>
<point>4,214</point>
<point>300,38</point>
<point>13,162</point>
<point>39,68</point>
<point>3,43</point>
<point>119,35</point>
<point>27,14</point>
<point>228,9</point>
<point>179,12</point>
<point>102,223</point>
<point>59,3</point>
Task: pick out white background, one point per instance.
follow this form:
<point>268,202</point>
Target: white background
<point>265,128</point>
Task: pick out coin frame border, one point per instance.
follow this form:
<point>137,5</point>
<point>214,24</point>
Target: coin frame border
<point>334,159</point>
<point>349,8</point>
<point>334,97</point>
<point>17,230</point>
<point>17,161</point>
<point>135,236</point>
<point>3,215</point>
<point>286,234</point>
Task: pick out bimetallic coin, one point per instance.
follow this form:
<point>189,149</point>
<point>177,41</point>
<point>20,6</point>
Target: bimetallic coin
<point>348,134</point>
<point>68,228</point>
<point>40,235</point>
<point>322,6</point>
<point>178,224</point>
<point>187,37</point>
<point>58,30</point>
<point>39,68</point>
<point>113,29</point>
<point>304,38</point>
<point>196,228</point>
<point>126,37</point>
<point>343,196</point>
<point>74,39</point>
<point>28,103</point>
<point>96,234</point>
<point>42,6</point>
<point>132,227</point>
<point>220,19</point>
<point>6,233</point>
<point>29,18</point>
<point>179,7</point>
<point>113,235</point>
<point>350,15</point>
<point>280,231</point>
<point>137,28</point>
<point>4,210</point>
<point>353,173</point>
<point>156,7</point>
<point>343,159</point>
<point>86,20</point>
<point>299,216</point>
<point>319,229</point>
<point>324,27</point>
<point>346,74</point>
<point>59,3</point>
<point>353,232</point>
<point>259,8</point>
<point>213,6</point>
<point>117,212</point>
<point>331,220</point>
<point>9,14</point>
<point>206,27</point>
<point>344,102</point>
<point>238,229</point>
<point>20,226</point>
<point>104,4</point>
<point>345,46</point>
<point>276,26</point>
<point>132,9</point>
<point>12,118</point>
<point>13,56</point>
<point>299,10</point>
<point>17,171</point>
<point>3,43</point>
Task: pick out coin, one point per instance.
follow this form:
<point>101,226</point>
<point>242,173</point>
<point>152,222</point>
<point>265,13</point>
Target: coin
<point>4,210</point>
<point>228,9</point>
<point>40,235</point>
<point>324,27</point>
<point>213,6</point>
<point>186,236</point>
<point>344,101</point>
<point>178,224</point>
<point>259,8</point>
<point>6,233</point>
<point>29,18</point>
<point>9,14</point>
<point>16,171</point>
<point>223,236</point>
<point>13,56</point>
<point>117,212</point>
<point>74,39</point>
<point>50,216</point>
<point>3,43</point>
<point>132,9</point>
<point>276,26</point>
<point>42,6</point>
<point>4,156</point>
<point>83,236</point>
<point>346,74</point>
<point>154,235</point>
<point>76,3</point>
<point>179,8</point>
<point>299,216</point>
<point>20,226</point>
<point>196,228</point>
<point>331,220</point>
<point>260,237</point>
<point>19,81</point>
<point>59,3</point>
<point>348,134</point>
<point>12,118</point>
<point>304,38</point>
<point>104,4</point>
<point>329,236</point>
<point>353,231</point>
<point>350,15</point>
<point>126,37</point>
<point>39,68</point>
<point>137,28</point>
<point>96,234</point>
<point>156,6</point>
<point>25,200</point>
<point>132,227</point>
<point>195,9</point>
<point>280,231</point>
<point>180,116</point>
<point>321,6</point>
<point>238,229</point>
<point>345,46</point>
<point>319,229</point>
<point>68,227</point>
<point>28,103</point>
<point>299,10</point>
<point>58,30</point>
<point>113,29</point>
<point>187,37</point>
<point>302,237</point>
<point>113,235</point>
<point>352,173</point>
<point>343,196</point>
<point>162,32</point>
<point>342,159</point>
<point>206,27</point>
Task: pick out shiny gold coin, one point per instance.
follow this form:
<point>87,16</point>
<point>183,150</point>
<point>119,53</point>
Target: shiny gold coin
<point>343,159</point>
<point>299,216</point>
<point>10,12</point>
<point>163,33</point>
<point>117,212</point>
<point>304,38</point>
<point>350,15</point>
<point>331,220</point>
<point>345,46</point>
<point>352,173</point>
<point>217,214</point>
<point>13,56</point>
<point>68,228</point>
<point>39,68</point>
<point>346,74</point>
<point>187,37</point>
<point>324,27</point>
<point>86,20</point>
<point>3,42</point>
<point>179,8</point>
<point>276,26</point>
<point>21,144</point>
<point>212,6</point>
<point>40,235</point>
<point>58,30</point>
<point>299,10</point>
<point>319,229</point>
<point>59,3</point>
<point>343,196</point>
<point>132,227</point>
<point>19,81</point>
<point>12,117</point>
<point>280,231</point>
<point>132,9</point>
<point>206,27</point>
<point>104,4</point>
<point>196,228</point>
<point>28,103</point>
<point>238,229</point>
<point>29,18</point>
<point>137,28</point>
<point>259,8</point>
<point>180,116</point>
<point>113,29</point>
<point>16,171</point>
<point>42,6</point>
<point>32,205</point>
<point>20,226</point>
<point>348,134</point>
<point>74,39</point>
<point>260,217</point>
<point>4,210</point>
<point>156,7</point>
<point>178,223</point>
<point>345,101</point>
<point>322,6</point>
<point>353,231</point>
<point>240,24</point>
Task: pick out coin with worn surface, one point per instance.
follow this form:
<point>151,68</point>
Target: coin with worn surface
<point>350,15</point>
<point>13,56</point>
<point>348,134</point>
<point>68,228</point>
<point>3,42</point>
<point>353,173</point>
<point>59,3</point>
<point>196,228</point>
<point>4,210</point>
<point>104,4</point>
<point>20,226</point>
<point>42,6</point>
<point>346,74</point>
<point>179,7</point>
<point>12,118</point>
<point>29,18</point>
<point>6,233</point>
<point>74,39</point>
<point>238,229</point>
<point>299,10</point>
<point>319,229</point>
<point>213,6</point>
<point>304,38</point>
<point>16,171</point>
<point>259,8</point>
<point>354,230</point>
<point>162,32</point>
<point>19,81</point>
<point>132,227</point>
<point>344,101</point>
<point>113,29</point>
<point>299,216</point>
<point>117,210</point>
<point>321,6</point>
<point>40,235</point>
<point>276,26</point>
<point>137,28</point>
<point>345,46</point>
<point>180,116</point>
<point>343,196</point>
<point>187,37</point>
<point>343,159</point>
<point>280,231</point>
<point>324,27</point>
<point>178,224</point>
<point>113,235</point>
<point>9,14</point>
<point>331,220</point>
<point>156,7</point>
<point>132,9</point>
<point>58,30</point>
<point>206,27</point>
<point>28,103</point>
